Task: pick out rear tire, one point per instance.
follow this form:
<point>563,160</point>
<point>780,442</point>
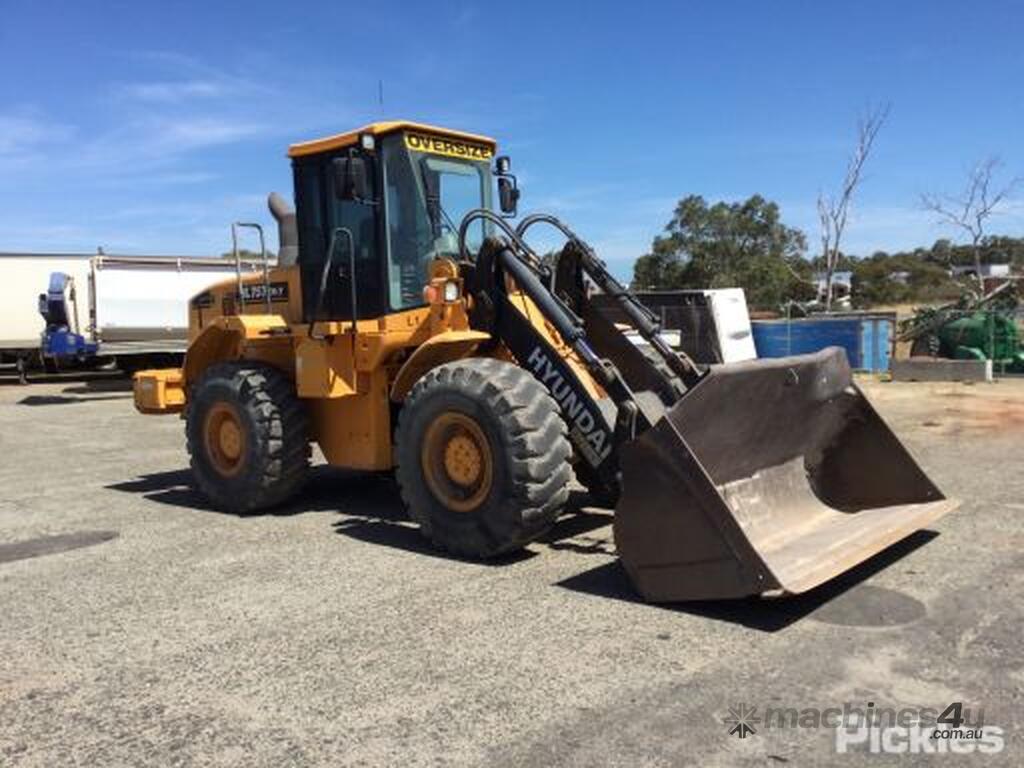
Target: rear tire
<point>248,436</point>
<point>925,346</point>
<point>483,457</point>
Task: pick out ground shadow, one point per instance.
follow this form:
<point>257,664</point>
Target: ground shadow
<point>86,376</point>
<point>405,535</point>
<point>375,513</point>
<point>371,509</point>
<point>176,488</point>
<point>173,487</point>
<point>767,615</point>
<point>113,383</point>
<point>34,400</point>
<point>52,545</point>
<point>571,531</point>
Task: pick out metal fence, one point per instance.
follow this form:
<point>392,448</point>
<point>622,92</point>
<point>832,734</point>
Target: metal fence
<point>867,337</point>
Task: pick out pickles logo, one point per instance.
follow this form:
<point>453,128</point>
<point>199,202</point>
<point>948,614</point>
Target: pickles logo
<point>438,145</point>
<point>741,720</point>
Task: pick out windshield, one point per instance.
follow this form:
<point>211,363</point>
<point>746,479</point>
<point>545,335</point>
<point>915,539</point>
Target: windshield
<point>426,196</point>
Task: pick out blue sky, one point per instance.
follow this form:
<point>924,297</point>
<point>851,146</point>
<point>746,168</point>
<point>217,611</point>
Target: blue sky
<point>148,127</point>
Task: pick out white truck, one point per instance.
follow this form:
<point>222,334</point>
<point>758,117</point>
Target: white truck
<point>55,308</point>
<point>23,276</point>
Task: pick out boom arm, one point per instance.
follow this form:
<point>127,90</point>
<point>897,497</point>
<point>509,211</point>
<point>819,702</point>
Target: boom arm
<point>595,433</point>
<point>639,316</point>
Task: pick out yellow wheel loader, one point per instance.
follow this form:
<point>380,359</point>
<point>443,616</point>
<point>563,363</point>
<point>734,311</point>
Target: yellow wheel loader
<point>408,326</point>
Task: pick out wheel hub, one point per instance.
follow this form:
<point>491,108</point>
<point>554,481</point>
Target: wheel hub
<point>462,460</point>
<point>230,439</point>
<point>225,439</point>
<point>457,461</point>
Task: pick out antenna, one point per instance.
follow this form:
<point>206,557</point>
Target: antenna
<point>380,95</point>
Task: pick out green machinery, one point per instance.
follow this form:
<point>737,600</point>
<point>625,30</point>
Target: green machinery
<point>970,329</point>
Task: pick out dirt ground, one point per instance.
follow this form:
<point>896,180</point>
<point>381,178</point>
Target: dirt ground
<point>141,628</point>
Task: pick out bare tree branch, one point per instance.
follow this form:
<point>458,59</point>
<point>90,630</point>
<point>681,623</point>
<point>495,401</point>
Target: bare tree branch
<point>975,205</point>
<point>833,212</point>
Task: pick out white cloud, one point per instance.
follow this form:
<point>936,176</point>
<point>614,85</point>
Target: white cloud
<point>199,227</point>
<point>146,145</point>
<point>24,133</point>
<point>197,132</point>
<point>173,123</point>
<point>173,92</point>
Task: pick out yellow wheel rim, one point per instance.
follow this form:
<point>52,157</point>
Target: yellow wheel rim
<point>225,439</point>
<point>457,461</point>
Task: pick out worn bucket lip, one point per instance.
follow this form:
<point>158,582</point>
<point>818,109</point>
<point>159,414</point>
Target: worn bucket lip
<point>913,518</point>
<point>694,543</point>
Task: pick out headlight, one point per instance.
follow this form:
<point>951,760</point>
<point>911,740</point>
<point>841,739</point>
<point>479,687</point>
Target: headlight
<point>441,291</point>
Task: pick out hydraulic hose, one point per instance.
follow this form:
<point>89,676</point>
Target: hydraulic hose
<point>638,315</point>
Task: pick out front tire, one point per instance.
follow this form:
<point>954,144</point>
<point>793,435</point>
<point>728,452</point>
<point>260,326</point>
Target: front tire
<point>483,457</point>
<point>247,436</point>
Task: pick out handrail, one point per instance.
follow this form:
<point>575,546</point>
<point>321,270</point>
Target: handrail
<point>235,226</point>
<point>325,273</point>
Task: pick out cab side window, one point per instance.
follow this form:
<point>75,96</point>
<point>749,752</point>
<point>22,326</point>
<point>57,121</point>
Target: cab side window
<point>312,235</point>
<point>361,220</point>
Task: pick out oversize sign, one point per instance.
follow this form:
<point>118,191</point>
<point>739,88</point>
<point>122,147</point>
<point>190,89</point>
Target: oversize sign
<point>440,145</point>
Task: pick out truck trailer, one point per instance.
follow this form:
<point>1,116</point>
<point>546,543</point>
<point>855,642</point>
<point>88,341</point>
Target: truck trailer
<point>131,308</point>
<point>135,308</point>
<point>22,277</point>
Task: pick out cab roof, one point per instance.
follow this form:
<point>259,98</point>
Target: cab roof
<point>350,138</point>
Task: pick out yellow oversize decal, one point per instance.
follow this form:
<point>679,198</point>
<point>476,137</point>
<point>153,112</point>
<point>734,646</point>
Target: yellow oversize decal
<point>439,145</point>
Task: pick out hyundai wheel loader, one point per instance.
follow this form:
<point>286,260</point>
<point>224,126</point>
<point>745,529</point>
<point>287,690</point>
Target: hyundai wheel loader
<point>408,326</point>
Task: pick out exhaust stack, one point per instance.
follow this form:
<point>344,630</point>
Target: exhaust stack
<point>287,230</point>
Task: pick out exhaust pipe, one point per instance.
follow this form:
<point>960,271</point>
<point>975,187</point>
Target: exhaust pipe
<point>287,230</point>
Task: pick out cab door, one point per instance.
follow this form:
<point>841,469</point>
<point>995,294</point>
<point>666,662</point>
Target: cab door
<point>319,214</point>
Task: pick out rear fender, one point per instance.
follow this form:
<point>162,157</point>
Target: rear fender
<point>226,338</point>
<point>215,343</point>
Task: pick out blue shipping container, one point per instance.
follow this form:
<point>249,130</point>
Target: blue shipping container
<point>865,339</point>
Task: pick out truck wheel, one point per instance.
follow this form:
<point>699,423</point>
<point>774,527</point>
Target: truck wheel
<point>925,346</point>
<point>247,435</point>
<point>483,457</point>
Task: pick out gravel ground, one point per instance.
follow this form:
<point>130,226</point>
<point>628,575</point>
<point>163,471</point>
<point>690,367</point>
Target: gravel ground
<point>141,628</point>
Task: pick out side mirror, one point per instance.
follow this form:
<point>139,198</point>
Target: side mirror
<point>503,165</point>
<point>350,178</point>
<point>508,195</point>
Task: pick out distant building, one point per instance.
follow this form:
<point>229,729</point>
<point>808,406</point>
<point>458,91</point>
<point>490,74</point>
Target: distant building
<point>842,284</point>
<point>987,270</point>
<point>900,276</point>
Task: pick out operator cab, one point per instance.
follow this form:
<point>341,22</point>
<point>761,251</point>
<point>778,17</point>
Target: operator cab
<point>383,202</point>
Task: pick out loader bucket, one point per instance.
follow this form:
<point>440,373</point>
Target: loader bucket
<point>769,477</point>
